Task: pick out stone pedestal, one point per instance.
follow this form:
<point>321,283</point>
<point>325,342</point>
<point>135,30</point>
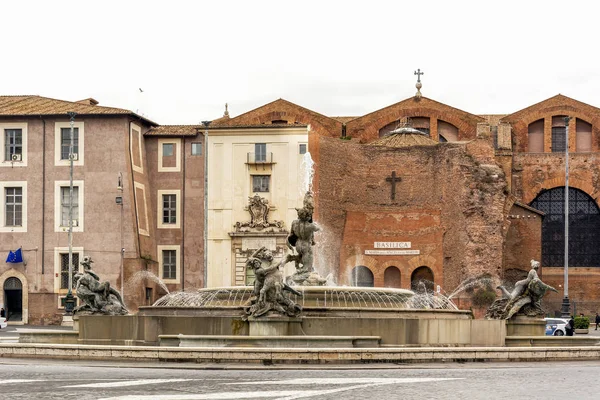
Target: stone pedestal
<point>67,320</point>
<point>522,325</point>
<point>275,326</point>
<point>76,322</point>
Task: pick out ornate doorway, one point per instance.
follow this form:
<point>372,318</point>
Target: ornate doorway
<point>13,299</point>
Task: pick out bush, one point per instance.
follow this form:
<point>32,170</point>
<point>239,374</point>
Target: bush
<point>582,322</point>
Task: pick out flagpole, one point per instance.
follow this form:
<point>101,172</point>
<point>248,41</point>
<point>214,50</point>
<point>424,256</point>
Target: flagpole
<point>70,300</point>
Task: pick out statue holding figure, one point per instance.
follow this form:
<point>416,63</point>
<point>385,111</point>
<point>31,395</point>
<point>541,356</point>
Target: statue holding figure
<point>269,292</point>
<point>301,239</point>
<point>524,299</point>
<point>96,297</point>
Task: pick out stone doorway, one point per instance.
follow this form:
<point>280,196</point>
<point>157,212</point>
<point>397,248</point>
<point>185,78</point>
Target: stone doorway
<point>13,299</point>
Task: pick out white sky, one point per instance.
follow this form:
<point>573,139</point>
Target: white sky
<point>334,57</point>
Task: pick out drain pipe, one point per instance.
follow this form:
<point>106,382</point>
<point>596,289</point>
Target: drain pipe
<point>43,192</point>
<point>206,123</point>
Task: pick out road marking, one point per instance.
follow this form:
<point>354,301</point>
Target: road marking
<point>127,383</point>
<point>343,381</point>
<point>6,381</point>
<point>283,394</point>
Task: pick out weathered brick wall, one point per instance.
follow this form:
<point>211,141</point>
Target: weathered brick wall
<point>466,191</point>
<point>523,239</point>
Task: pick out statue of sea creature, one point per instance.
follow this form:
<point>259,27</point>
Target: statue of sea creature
<point>96,297</point>
<point>270,291</point>
<point>525,298</point>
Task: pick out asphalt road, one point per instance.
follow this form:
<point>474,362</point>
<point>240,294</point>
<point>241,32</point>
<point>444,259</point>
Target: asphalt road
<point>34,379</point>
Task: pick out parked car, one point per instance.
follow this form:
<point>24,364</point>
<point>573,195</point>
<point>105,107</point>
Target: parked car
<point>3,323</point>
<point>556,326</point>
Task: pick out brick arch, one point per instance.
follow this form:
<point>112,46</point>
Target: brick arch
<point>521,127</point>
<point>576,183</point>
<point>13,273</point>
<point>371,132</point>
<point>421,260</point>
<point>355,260</point>
<point>290,117</point>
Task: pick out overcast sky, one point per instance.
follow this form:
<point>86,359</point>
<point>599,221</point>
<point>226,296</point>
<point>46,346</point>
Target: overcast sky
<point>338,58</point>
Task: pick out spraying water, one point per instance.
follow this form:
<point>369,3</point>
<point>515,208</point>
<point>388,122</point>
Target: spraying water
<point>306,172</point>
<point>136,279</point>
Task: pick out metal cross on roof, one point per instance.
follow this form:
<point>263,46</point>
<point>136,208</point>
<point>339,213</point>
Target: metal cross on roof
<point>419,73</point>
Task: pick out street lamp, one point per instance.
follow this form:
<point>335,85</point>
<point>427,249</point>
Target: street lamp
<point>119,201</point>
<point>70,300</point>
<point>206,124</point>
<point>565,309</point>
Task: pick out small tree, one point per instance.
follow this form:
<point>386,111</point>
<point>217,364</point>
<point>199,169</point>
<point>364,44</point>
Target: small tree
<point>582,322</point>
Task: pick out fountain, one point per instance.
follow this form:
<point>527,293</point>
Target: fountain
<point>302,309</point>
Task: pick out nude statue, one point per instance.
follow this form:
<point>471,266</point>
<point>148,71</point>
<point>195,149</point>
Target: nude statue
<point>302,237</point>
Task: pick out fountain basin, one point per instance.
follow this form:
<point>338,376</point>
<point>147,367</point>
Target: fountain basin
<point>312,296</point>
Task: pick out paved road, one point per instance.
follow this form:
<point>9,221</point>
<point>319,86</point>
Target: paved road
<point>32,379</point>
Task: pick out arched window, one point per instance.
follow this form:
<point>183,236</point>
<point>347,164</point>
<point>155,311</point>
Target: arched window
<point>583,136</point>
<point>584,228</point>
<point>362,276</point>
<point>447,132</point>
<point>421,279</point>
<point>391,277</point>
<point>535,133</point>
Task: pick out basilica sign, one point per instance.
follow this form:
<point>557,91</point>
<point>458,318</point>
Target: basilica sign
<point>391,249</point>
<point>392,245</point>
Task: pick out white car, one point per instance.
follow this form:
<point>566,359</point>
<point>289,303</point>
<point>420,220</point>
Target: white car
<point>3,323</point>
<point>556,326</point>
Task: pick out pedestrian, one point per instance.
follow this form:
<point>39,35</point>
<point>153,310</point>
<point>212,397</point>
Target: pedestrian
<point>3,314</point>
<point>597,321</point>
<point>570,328</point>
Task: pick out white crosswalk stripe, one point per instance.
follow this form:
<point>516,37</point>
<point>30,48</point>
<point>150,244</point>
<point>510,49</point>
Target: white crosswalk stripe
<point>127,383</point>
<point>286,394</point>
<point>9,381</point>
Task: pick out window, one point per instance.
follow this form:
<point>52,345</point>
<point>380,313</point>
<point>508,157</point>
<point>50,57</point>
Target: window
<point>168,263</point>
<point>362,276</point>
<point>13,206</point>
<point>65,142</point>
<point>584,228</point>
<point>196,149</point>
<point>13,144</point>
<point>169,258</point>
<point>62,140</point>
<point>61,206</point>
<point>64,269</point>
<point>260,183</point>
<point>169,208</point>
<point>260,152</point>
<point>65,204</point>
<point>167,149</point>
<point>169,155</point>
<point>559,136</point>
<point>168,213</point>
<point>303,148</point>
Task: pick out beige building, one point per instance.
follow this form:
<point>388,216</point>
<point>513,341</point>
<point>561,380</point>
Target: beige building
<point>34,188</point>
<point>262,162</point>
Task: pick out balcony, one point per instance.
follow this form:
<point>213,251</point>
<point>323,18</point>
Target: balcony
<point>260,159</point>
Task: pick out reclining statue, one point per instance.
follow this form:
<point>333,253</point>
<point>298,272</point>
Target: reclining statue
<point>525,298</point>
<point>96,297</point>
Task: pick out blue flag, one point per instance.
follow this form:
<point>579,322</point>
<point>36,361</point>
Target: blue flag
<point>15,257</point>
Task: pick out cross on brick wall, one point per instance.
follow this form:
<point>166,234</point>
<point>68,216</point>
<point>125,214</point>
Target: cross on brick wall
<point>393,180</point>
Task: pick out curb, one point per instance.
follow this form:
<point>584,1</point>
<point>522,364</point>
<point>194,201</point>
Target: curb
<point>317,356</point>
